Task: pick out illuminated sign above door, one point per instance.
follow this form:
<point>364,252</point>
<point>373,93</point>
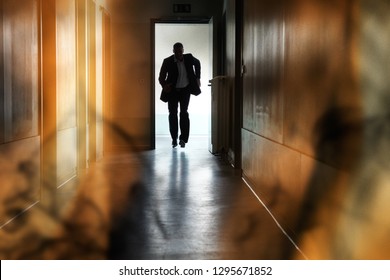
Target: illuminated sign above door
<point>182,8</point>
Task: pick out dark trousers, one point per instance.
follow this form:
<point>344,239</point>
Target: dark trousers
<point>182,98</point>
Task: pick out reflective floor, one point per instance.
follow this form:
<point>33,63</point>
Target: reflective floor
<point>190,204</point>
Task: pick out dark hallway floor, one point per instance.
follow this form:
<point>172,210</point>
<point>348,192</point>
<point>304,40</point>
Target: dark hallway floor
<point>190,204</point>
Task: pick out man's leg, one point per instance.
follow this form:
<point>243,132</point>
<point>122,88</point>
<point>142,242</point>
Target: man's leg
<point>184,117</point>
<point>173,121</point>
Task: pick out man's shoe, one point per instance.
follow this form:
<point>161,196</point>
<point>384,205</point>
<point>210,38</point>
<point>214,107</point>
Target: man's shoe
<point>182,143</point>
<point>174,143</point>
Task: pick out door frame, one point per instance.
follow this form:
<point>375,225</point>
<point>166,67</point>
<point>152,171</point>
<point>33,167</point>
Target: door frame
<point>153,22</point>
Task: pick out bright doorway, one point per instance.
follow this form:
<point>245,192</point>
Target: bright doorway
<point>197,39</point>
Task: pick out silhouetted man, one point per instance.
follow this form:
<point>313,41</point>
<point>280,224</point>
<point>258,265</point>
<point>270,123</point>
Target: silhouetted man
<point>179,78</point>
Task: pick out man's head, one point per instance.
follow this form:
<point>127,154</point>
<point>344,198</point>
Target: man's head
<point>178,50</point>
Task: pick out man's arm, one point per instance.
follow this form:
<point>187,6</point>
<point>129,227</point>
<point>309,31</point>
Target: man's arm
<point>196,64</point>
<point>163,73</point>
<point>162,78</point>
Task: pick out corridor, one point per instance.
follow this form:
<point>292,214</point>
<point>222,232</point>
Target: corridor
<point>307,110</point>
<point>190,204</point>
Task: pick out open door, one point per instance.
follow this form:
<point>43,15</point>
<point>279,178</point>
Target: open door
<point>197,38</point>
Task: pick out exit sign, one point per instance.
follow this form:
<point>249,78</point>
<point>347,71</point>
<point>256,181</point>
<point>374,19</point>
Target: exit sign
<point>182,8</point>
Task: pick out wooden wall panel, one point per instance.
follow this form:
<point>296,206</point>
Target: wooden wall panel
<point>66,63</point>
<point>67,155</point>
<point>248,160</point>
<point>107,93</point>
<point>268,62</point>
<point>317,67</point>
<point>273,171</point>
<point>19,113</point>
<point>92,94</point>
<point>66,90</point>
<point>263,58</point>
<point>82,83</point>
<point>232,70</point>
<point>249,77</point>
<point>19,177</point>
<point>99,81</point>
<point>20,57</point>
<point>322,195</point>
<point>2,124</point>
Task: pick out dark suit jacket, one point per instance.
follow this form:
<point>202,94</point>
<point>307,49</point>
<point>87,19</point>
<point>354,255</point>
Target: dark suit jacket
<point>169,72</point>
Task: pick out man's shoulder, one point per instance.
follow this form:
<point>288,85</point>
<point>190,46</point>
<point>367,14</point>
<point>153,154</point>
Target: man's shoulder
<point>169,58</point>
